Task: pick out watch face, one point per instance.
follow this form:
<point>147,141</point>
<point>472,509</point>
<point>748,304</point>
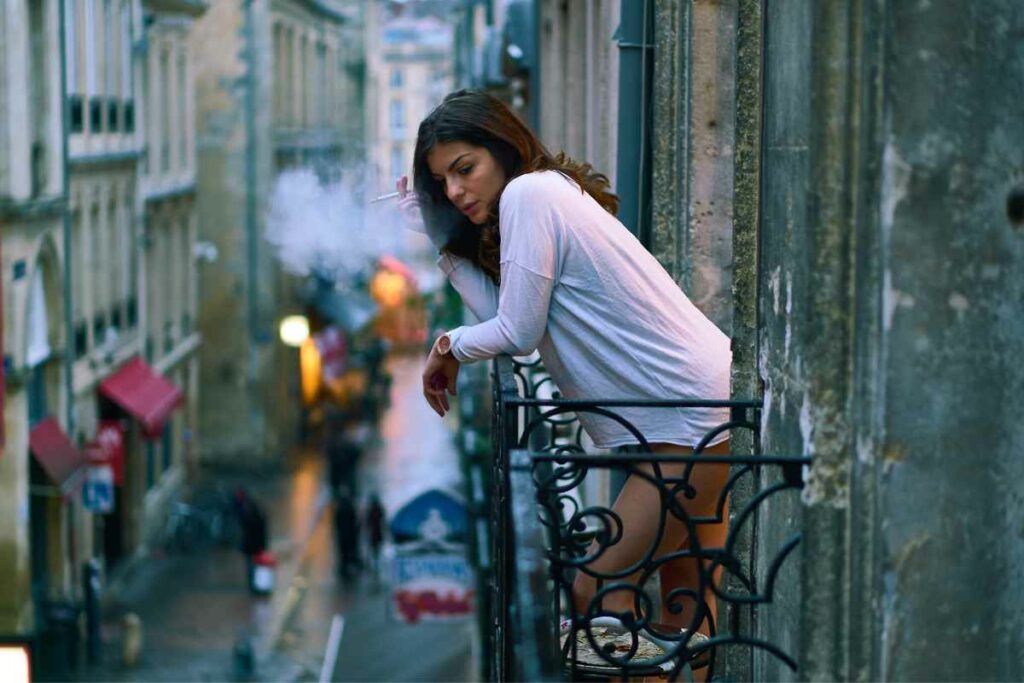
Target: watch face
<point>443,344</point>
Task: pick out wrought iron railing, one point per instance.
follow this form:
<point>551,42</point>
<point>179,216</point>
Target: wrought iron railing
<point>542,534</point>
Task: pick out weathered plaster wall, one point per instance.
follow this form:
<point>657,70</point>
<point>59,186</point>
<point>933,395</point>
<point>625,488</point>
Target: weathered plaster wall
<point>891,283</point>
<point>783,293</point>
<point>950,470</point>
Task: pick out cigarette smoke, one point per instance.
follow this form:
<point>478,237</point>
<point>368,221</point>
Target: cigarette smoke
<point>331,231</point>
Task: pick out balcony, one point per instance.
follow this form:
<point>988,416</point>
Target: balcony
<point>548,516</point>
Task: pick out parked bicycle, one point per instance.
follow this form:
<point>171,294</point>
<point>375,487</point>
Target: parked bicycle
<point>209,518</point>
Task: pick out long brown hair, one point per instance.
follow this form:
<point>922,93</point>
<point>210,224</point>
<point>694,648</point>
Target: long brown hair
<point>482,120</point>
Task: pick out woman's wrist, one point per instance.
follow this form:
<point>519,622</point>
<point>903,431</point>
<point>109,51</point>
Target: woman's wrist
<point>443,345</point>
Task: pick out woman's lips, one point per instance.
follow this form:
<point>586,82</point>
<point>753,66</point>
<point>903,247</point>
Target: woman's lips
<point>470,208</point>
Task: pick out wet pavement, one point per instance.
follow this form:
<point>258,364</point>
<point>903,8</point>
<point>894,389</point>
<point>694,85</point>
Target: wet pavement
<point>195,607</point>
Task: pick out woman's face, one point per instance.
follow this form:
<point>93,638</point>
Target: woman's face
<point>471,178</point>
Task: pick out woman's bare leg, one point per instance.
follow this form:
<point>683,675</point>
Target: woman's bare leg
<point>639,507</point>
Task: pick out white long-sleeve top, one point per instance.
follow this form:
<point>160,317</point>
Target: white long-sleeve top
<point>607,319</point>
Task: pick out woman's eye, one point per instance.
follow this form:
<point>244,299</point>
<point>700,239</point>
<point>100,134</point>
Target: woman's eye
<point>465,170</point>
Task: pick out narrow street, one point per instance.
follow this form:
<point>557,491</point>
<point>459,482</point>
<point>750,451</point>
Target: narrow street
<point>415,454</point>
<point>195,607</point>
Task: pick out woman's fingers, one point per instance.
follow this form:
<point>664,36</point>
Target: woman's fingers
<point>437,401</point>
<point>402,186</point>
<point>433,402</point>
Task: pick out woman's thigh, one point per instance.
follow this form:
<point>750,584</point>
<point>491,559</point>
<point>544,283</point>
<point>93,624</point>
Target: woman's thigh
<point>641,506</point>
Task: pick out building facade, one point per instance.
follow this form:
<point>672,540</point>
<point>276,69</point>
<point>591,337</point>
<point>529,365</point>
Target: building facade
<point>279,87</point>
<point>36,557</point>
<point>839,186</point>
<point>99,300</point>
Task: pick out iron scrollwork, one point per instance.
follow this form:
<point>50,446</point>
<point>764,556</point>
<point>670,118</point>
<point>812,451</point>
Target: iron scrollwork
<point>547,535</point>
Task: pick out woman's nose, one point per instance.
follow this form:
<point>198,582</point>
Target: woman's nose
<point>454,191</point>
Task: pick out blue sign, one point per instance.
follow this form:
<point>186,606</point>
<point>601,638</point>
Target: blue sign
<point>98,491</point>
<point>434,515</point>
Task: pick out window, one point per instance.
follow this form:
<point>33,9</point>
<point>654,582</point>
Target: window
<point>185,279</point>
<point>320,88</point>
<point>71,47</point>
<point>397,162</point>
<point>112,50</point>
<point>182,97</point>
<point>127,96</point>
<point>77,261</point>
<point>397,119</point>
<point>163,85</point>
<point>303,82</point>
<point>116,296</point>
<point>279,76</point>
<point>91,93</point>
<point>396,78</point>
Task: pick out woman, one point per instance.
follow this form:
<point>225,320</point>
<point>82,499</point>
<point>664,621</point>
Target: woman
<point>531,243</point>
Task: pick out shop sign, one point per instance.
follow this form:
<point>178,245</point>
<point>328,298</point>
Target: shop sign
<point>431,579</point>
<point>110,441</point>
<point>431,587</point>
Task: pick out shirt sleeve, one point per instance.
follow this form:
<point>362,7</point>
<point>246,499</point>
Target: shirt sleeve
<point>529,256</point>
<point>519,325</point>
<point>477,290</point>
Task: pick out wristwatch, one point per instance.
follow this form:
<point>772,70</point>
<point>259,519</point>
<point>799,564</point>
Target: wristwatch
<point>443,345</point>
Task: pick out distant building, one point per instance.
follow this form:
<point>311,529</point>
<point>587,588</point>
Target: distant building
<point>409,71</point>
<point>279,86</point>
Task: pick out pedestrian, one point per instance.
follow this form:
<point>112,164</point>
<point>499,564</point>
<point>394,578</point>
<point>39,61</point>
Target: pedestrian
<point>253,522</point>
<point>531,242</point>
<point>342,452</point>
<point>376,519</point>
<point>346,535</point>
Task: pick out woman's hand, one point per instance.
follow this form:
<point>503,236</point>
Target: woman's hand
<point>409,207</point>
<point>439,376</point>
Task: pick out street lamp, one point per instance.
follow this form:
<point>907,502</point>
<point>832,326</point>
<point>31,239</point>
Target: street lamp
<point>294,330</point>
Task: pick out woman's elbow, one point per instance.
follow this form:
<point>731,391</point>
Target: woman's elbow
<point>523,346</point>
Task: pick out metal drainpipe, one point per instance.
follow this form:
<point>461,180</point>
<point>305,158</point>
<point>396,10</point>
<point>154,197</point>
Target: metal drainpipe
<point>69,334</point>
<point>633,166</point>
<point>535,74</point>
<point>251,236</point>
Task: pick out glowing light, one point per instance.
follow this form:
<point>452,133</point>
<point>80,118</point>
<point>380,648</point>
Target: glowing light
<point>294,330</point>
<point>310,367</point>
<point>388,288</point>
<point>14,663</point>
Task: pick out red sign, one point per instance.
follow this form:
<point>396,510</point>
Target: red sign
<point>415,605</point>
<point>109,447</point>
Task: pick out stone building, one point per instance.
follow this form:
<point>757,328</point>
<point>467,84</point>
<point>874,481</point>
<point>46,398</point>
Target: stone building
<point>840,187</point>
<point>98,229</point>
<point>408,72</point>
<point>279,86</point>
<point>36,524</point>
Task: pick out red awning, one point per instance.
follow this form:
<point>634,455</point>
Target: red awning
<point>59,458</point>
<point>144,394</point>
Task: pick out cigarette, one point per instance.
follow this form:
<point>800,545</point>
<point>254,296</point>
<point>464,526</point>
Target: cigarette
<point>384,197</point>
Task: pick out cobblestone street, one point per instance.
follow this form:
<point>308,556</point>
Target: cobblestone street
<point>195,607</point>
